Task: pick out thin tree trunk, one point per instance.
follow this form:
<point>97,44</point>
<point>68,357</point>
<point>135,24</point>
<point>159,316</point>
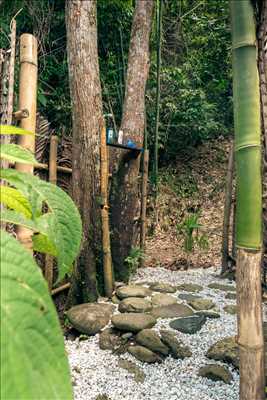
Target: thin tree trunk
<point>143,206</point>
<point>227,211</point>
<point>85,89</point>
<point>125,203</point>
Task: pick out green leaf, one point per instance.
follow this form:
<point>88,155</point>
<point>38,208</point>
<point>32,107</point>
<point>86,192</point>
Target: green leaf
<point>43,244</point>
<point>33,361</point>
<point>13,217</point>
<point>15,200</point>
<point>13,130</point>
<point>15,153</point>
<point>66,228</point>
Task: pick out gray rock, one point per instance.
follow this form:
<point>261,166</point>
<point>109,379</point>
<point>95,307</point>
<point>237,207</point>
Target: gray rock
<point>201,304</point>
<point>225,350</point>
<point>90,318</point>
<point>230,309</point>
<point>131,367</point>
<point>221,286</point>
<point>109,339</point>
<point>188,325</point>
<point>230,296</point>
<point>150,339</point>
<point>162,299</point>
<point>162,287</point>
<point>132,291</point>
<point>208,314</point>
<point>135,304</point>
<point>172,311</point>
<point>188,296</point>
<point>216,373</point>
<point>133,322</point>
<point>190,287</point>
<point>177,348</point>
<point>144,354</point>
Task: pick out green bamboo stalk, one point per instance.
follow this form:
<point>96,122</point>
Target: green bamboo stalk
<point>249,207</point>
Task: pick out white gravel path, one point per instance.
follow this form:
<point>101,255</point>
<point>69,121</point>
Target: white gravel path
<point>95,371</point>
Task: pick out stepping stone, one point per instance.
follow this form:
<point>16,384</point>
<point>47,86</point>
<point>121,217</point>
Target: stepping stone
<point>144,354</point>
<point>162,299</point>
<point>189,325</point>
<point>190,287</point>
<point>132,291</point>
<point>150,339</point>
<point>135,305</point>
<point>230,309</point>
<point>115,299</point>
<point>201,304</point>
<point>131,367</point>
<point>230,296</point>
<point>177,349</point>
<point>188,296</point>
<point>225,350</point>
<point>216,372</point>
<point>109,339</point>
<point>208,314</point>
<point>90,318</point>
<point>162,287</point>
<point>172,311</point>
<point>133,322</point>
<point>220,286</point>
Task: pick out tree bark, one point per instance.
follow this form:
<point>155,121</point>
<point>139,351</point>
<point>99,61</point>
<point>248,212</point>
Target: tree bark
<point>125,203</point>
<point>85,89</point>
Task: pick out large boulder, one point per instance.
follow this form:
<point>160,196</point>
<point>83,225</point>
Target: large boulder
<point>90,318</point>
<point>144,354</point>
<point>188,325</point>
<point>151,340</point>
<point>216,373</point>
<point>172,311</point>
<point>190,287</point>
<point>177,348</point>
<point>225,350</point>
<point>135,305</point>
<point>162,299</point>
<point>133,322</point>
<point>201,304</point>
<point>132,291</point>
<point>162,287</point>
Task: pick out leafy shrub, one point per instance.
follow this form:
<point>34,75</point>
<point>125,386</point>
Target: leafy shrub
<point>133,259</point>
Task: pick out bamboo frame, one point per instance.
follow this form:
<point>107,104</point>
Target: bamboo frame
<point>27,100</point>
<point>143,205</point>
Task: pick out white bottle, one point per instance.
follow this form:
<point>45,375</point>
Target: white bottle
<point>120,137</point>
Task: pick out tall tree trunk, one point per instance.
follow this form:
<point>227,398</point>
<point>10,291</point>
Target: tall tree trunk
<point>249,204</point>
<point>85,89</point>
<point>125,203</point>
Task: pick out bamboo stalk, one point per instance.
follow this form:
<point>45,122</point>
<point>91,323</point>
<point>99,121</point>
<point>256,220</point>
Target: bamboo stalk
<point>27,99</point>
<point>143,205</point>
<point>60,289</point>
<point>249,206</point>
<point>49,260</point>
<point>227,210</point>
<point>107,261</point>
<point>20,114</point>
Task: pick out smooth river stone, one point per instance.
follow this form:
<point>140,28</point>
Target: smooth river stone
<point>162,299</point>
<point>216,372</point>
<point>172,311</point>
<point>135,305</point>
<point>132,291</point>
<point>162,287</point>
<point>201,304</point>
<point>150,339</point>
<point>225,350</point>
<point>133,322</point>
<point>189,325</point>
<point>144,354</point>
<point>190,287</point>
<point>230,309</point>
<point>221,286</point>
<point>188,296</point>
<point>177,349</point>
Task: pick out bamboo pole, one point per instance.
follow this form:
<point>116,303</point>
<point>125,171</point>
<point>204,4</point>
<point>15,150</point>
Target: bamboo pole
<point>49,260</point>
<point>60,289</point>
<point>249,204</point>
<point>227,211</point>
<point>143,205</point>
<point>107,261</point>
<point>27,99</point>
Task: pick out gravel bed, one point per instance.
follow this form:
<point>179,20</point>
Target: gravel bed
<point>96,372</point>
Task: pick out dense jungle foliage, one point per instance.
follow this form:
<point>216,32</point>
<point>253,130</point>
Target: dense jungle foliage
<point>196,91</point>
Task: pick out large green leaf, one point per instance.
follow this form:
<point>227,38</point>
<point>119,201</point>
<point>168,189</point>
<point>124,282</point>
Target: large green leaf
<point>43,244</point>
<point>15,200</point>
<point>33,361</point>
<point>13,152</point>
<point>13,130</point>
<point>66,227</point>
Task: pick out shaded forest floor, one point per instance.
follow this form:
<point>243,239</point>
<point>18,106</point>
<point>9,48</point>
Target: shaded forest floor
<point>195,184</point>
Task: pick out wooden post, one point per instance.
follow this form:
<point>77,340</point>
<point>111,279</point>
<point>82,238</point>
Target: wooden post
<point>227,211</point>
<point>27,100</point>
<point>143,205</point>
<point>107,262</point>
<point>49,260</point>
